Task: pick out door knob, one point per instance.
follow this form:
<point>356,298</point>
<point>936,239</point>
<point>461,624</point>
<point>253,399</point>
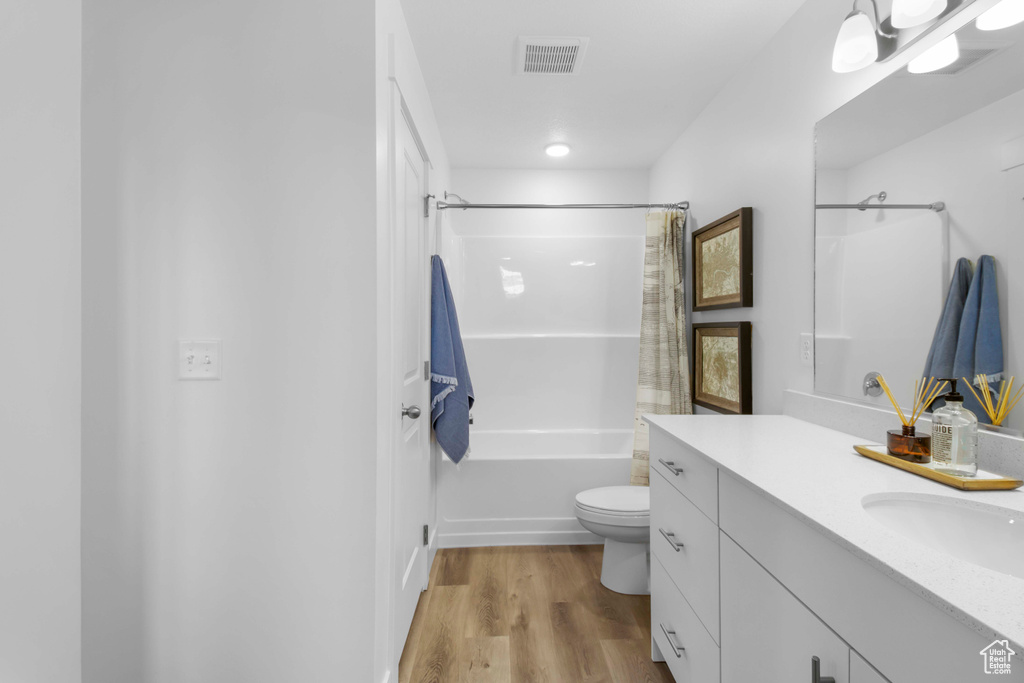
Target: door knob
<point>412,412</point>
<point>816,676</point>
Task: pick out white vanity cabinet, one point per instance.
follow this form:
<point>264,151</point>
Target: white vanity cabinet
<point>743,589</point>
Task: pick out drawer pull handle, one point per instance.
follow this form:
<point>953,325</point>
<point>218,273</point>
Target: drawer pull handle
<point>671,467</point>
<point>816,676</point>
<point>677,650</point>
<point>671,538</point>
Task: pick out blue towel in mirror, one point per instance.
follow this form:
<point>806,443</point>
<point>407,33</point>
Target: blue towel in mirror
<point>979,348</point>
<point>451,390</point>
<point>942,355</point>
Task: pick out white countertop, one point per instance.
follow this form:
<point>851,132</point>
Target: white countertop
<point>814,473</point>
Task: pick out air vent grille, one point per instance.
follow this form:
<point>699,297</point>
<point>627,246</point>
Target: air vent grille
<point>550,56</point>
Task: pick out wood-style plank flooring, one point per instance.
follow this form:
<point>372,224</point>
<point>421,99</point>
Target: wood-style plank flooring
<point>535,614</point>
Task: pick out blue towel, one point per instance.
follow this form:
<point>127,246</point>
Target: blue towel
<point>979,348</point>
<point>451,390</point>
<point>944,343</point>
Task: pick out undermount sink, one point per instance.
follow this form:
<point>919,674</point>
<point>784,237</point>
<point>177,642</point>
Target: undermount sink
<point>985,535</point>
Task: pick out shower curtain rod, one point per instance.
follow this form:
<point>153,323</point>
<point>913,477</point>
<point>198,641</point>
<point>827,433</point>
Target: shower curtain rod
<point>937,206</point>
<point>441,206</point>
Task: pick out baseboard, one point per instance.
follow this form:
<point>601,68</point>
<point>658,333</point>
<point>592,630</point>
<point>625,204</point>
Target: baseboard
<point>474,533</point>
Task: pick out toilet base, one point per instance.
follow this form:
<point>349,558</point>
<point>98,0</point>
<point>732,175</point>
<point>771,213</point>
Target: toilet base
<point>626,567</point>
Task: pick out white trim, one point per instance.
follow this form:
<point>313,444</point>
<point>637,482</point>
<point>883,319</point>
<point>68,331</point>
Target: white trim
<point>512,538</point>
<point>473,533</point>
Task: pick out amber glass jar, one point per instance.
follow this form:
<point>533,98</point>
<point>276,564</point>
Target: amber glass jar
<point>907,444</point>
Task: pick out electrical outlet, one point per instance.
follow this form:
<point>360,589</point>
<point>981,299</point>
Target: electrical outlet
<point>807,348</point>
<point>199,359</point>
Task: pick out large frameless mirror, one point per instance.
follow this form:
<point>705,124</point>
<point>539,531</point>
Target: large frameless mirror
<point>915,174</point>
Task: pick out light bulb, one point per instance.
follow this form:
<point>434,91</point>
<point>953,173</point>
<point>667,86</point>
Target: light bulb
<point>910,13</point>
<point>557,149</point>
<point>939,55</point>
<point>1005,14</point>
<point>856,45</point>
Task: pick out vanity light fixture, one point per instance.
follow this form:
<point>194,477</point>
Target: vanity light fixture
<point>557,149</point>
<point>910,13</point>
<point>857,43</point>
<point>940,55</point>
<point>1007,13</point>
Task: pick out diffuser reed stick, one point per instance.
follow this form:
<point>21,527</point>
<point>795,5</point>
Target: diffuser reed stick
<point>924,395</point>
<point>1006,400</point>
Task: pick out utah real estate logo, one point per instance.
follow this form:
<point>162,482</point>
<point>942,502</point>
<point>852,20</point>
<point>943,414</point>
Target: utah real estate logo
<point>997,657</point>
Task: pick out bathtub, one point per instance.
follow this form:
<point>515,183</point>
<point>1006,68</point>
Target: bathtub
<point>518,487</point>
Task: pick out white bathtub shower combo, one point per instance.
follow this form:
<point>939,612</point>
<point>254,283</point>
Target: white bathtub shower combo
<point>549,305</point>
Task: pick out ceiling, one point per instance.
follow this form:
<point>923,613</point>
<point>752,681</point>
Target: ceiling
<point>650,68</point>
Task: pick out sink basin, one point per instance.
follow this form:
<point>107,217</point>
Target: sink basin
<point>985,535</point>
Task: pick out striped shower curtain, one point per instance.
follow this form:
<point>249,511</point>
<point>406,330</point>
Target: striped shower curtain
<point>663,387</point>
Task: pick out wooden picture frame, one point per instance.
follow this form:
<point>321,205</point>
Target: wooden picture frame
<point>721,369</point>
<point>722,256</point>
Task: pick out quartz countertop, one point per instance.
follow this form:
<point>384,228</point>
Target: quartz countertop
<point>814,473</point>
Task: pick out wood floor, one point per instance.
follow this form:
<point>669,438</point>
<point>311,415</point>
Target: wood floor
<point>527,615</point>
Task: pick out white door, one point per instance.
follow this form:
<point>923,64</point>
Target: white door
<point>411,460</point>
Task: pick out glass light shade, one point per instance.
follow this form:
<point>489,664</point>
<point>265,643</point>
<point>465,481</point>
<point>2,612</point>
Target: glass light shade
<point>1005,14</point>
<point>910,13</point>
<point>856,45</point>
<point>939,55</point>
<point>557,149</point>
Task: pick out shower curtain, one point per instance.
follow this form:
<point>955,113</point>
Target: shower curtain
<point>663,387</point>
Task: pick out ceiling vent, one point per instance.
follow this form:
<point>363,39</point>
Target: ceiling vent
<point>969,57</point>
<point>549,56</point>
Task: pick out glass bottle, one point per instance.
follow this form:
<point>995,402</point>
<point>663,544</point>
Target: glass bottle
<point>955,437</point>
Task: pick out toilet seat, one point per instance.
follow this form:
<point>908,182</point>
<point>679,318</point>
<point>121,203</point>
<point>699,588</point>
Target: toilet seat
<point>623,506</point>
<point>618,501</point>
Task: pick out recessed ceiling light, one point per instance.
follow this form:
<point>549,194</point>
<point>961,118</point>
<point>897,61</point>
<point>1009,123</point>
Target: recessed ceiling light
<point>558,149</point>
<point>1005,14</point>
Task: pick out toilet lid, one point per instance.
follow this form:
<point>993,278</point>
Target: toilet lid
<point>630,500</point>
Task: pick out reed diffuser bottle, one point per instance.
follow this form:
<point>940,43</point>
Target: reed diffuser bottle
<point>906,443</point>
<point>955,437</point>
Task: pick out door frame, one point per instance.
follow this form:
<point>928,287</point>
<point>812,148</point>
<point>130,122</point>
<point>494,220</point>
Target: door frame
<point>388,395</point>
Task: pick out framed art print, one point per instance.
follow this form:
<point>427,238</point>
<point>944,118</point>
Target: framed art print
<point>721,369</point>
<point>723,263</point>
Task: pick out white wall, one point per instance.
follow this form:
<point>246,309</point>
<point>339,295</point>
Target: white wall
<point>754,146</point>
<point>40,423</point>
<point>229,195</point>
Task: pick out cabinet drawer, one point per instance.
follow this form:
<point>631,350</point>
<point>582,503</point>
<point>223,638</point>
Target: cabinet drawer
<point>688,471</point>
<point>692,655</point>
<point>767,635</point>
<point>686,542</point>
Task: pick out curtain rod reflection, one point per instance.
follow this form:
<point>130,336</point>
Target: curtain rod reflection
<point>462,204</point>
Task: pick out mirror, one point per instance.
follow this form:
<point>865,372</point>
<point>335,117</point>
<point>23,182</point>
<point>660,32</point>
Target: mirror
<point>954,136</point>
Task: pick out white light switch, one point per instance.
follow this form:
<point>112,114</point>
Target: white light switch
<point>199,359</point>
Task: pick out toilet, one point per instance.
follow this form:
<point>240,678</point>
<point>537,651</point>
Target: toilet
<point>622,516</point>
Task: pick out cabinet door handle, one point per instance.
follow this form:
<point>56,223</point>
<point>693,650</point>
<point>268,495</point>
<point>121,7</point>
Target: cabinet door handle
<point>677,650</point>
<point>671,467</point>
<point>816,676</point>
<point>671,538</point>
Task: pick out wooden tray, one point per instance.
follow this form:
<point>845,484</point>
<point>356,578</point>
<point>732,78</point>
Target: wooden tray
<point>985,481</point>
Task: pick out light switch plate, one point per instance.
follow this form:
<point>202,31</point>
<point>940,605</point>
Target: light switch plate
<point>199,359</point>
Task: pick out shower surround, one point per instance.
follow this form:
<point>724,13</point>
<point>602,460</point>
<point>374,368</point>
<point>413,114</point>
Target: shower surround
<point>549,305</point>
